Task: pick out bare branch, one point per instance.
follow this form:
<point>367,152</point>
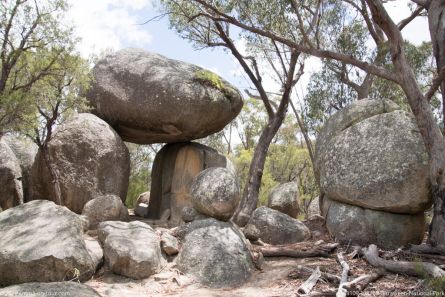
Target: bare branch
<point>374,69</point>
<point>246,68</point>
<point>437,81</point>
<point>403,23</point>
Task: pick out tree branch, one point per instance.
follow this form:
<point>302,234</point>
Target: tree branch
<point>374,69</point>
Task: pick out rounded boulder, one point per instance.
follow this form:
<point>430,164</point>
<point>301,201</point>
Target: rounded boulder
<point>284,198</point>
<point>215,192</point>
<point>371,154</point>
<point>105,208</point>
<point>149,98</point>
<point>356,225</point>
<point>90,160</point>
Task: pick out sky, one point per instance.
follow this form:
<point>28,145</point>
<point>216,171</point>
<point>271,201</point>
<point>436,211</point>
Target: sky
<point>117,24</point>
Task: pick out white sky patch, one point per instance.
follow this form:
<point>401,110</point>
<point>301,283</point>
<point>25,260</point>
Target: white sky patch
<point>108,24</point>
<point>417,31</point>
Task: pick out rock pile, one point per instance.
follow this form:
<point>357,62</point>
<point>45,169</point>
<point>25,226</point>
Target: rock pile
<point>227,261</point>
<point>373,170</point>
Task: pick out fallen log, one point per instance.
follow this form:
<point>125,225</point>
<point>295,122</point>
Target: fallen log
<point>427,249</point>
<point>354,287</point>
<point>418,269</point>
<point>309,284</point>
<point>422,255</point>
<point>341,292</point>
<point>293,251</point>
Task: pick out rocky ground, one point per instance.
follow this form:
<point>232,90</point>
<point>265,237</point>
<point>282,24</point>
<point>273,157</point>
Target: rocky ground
<point>280,277</point>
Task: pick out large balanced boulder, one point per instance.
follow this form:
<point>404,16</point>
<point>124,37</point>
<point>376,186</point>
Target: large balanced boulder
<point>56,289</point>
<point>360,226</point>
<point>149,98</point>
<point>90,159</point>
<point>42,242</point>
<point>130,249</point>
<point>25,150</point>
<point>105,208</point>
<point>11,191</point>
<point>215,192</point>
<point>215,254</point>
<point>284,198</point>
<point>174,169</point>
<point>371,154</point>
<point>278,228</point>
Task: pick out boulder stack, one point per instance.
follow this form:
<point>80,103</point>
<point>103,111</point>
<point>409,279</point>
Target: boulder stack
<point>174,169</point>
<point>370,156</point>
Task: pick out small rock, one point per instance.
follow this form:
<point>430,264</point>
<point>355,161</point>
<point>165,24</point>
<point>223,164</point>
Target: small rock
<point>251,232</point>
<point>284,198</point>
<point>189,214</point>
<point>141,205</point>
<point>169,244</point>
<point>95,250</point>
<point>105,208</point>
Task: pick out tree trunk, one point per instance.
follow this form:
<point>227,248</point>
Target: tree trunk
<point>251,191</point>
<point>436,20</point>
<point>54,175</point>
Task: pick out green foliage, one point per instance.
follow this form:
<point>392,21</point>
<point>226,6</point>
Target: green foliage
<point>141,160</point>
<point>436,285</point>
<point>36,48</point>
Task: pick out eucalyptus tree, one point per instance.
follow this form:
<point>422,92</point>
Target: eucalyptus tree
<point>33,38</point>
<point>193,22</point>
